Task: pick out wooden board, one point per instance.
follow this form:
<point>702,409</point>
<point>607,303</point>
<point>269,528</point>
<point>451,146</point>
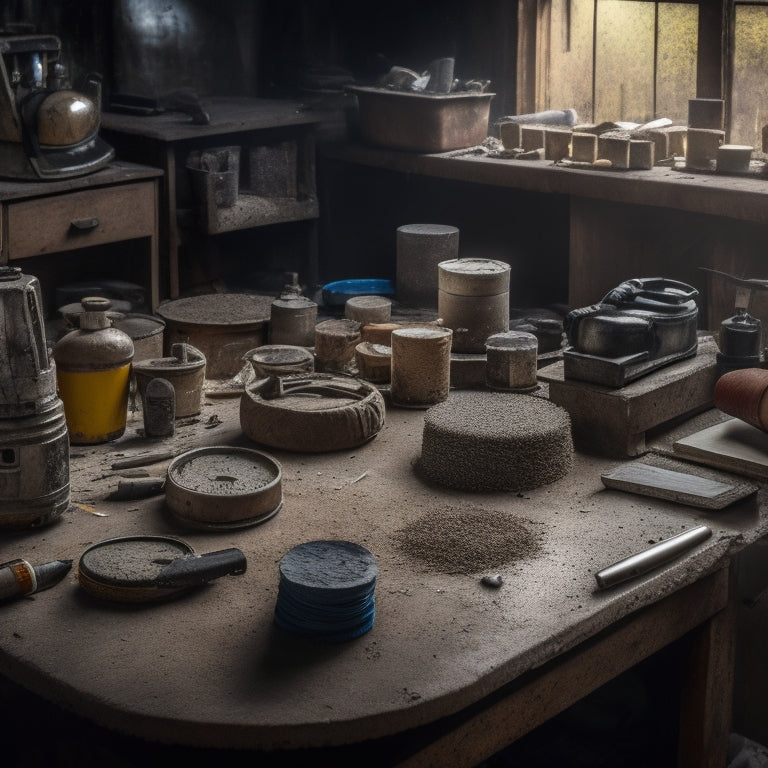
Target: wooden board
<point>732,445</point>
<point>681,487</point>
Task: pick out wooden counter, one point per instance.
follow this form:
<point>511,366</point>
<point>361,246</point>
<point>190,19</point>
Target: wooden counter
<point>450,667</point>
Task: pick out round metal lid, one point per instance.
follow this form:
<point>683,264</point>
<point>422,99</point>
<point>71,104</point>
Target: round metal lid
<point>224,471</point>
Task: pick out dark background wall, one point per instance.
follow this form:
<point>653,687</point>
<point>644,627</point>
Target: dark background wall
<point>308,50</point>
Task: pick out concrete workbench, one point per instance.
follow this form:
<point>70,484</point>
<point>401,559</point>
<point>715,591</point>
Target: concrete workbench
<point>464,669</point>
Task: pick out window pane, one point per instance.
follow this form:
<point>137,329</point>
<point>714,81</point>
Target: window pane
<point>676,60</point>
<point>570,76</point>
<point>624,61</point>
<point>749,96</point>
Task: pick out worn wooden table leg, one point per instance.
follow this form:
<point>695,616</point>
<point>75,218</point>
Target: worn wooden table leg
<point>707,694</point>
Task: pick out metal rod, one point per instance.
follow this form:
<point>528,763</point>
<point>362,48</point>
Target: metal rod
<point>647,560</point>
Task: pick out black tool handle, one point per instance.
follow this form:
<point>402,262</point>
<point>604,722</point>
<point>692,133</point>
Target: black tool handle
<point>194,570</point>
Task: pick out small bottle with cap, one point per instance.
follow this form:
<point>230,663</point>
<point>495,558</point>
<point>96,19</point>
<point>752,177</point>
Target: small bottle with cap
<point>93,365</point>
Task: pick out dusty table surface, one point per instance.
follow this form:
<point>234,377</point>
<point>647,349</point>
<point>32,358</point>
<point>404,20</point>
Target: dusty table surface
<point>210,668</point>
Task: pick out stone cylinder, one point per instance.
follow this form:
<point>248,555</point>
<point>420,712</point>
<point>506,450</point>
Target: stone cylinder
<point>420,248</point>
<point>159,408</point>
<point>473,300</point>
<point>421,366</point>
<point>292,321</point>
<point>511,361</point>
<point>368,309</point>
<point>335,342</point>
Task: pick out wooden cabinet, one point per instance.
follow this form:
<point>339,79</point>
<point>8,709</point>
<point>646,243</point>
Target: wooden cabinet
<point>273,137</point>
<point>49,218</point>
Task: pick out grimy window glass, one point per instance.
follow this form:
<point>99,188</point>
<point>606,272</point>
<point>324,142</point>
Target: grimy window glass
<point>749,88</point>
<point>617,59</point>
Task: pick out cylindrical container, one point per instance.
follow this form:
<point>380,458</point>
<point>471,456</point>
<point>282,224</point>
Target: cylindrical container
<point>292,319</point>
<point>511,361</point>
<point>27,374</point>
<point>159,402</point>
<point>740,336</point>
<point>473,300</point>
<point>280,360</point>
<point>368,309</point>
<point>421,366</point>
<point>374,362</point>
<point>420,248</point>
<point>185,369</point>
<point>742,394</point>
<point>335,342</point>
<point>223,326</point>
<point>146,332</point>
<point>379,333</point>
<point>224,487</point>
<point>34,469</point>
<point>93,367</point>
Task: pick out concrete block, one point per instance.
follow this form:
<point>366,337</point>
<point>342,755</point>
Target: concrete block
<point>641,154</point>
<point>733,158</point>
<point>583,147</point>
<point>531,137</point>
<point>509,135</point>
<point>701,148</point>
<point>557,144</point>
<point>615,149</point>
<point>614,421</point>
<point>676,136</point>
<point>660,141</point>
<point>706,113</point>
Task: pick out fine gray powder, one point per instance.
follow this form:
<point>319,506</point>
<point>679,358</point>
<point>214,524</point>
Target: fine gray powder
<point>468,540</point>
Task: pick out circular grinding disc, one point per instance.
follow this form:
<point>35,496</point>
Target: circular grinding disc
<point>483,441</point>
<point>326,590</point>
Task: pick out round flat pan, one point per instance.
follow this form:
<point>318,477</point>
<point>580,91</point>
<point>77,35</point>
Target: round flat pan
<point>150,568</point>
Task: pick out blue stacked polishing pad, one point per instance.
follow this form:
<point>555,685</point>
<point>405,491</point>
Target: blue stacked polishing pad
<point>326,590</point>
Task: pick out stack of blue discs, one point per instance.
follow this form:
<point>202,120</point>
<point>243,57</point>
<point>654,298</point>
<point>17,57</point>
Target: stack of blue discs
<point>326,590</point>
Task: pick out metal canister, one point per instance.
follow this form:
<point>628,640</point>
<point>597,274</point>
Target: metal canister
<point>93,367</point>
<point>473,300</point>
<point>292,319</point>
<point>34,469</point>
<point>146,332</point>
<point>34,442</point>
<point>185,370</point>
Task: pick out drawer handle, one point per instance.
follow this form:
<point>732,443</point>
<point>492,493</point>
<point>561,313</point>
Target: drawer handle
<point>85,225</point>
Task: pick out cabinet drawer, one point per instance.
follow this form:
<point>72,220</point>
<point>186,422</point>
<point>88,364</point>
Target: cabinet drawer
<point>79,219</point>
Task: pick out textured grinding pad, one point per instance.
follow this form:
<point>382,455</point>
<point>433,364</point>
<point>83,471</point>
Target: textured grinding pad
<point>480,441</point>
<point>326,590</point>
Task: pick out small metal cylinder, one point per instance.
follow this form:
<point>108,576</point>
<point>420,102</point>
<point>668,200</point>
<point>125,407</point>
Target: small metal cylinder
<point>740,336</point>
<point>421,366</point>
<point>292,320</point>
<point>34,469</point>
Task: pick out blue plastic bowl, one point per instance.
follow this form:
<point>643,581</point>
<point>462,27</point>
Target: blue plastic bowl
<point>338,292</point>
